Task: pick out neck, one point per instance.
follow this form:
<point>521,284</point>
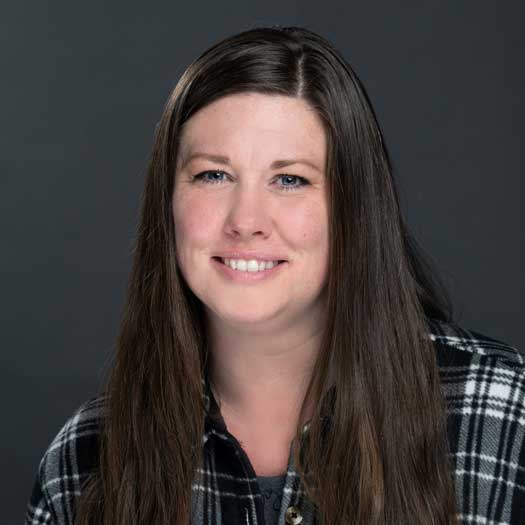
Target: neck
<point>263,379</point>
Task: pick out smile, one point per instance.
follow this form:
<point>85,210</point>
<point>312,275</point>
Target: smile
<point>248,271</point>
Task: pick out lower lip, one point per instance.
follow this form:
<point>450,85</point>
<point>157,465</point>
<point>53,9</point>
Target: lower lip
<point>248,277</point>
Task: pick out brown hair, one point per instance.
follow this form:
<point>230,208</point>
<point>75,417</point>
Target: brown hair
<point>388,409</point>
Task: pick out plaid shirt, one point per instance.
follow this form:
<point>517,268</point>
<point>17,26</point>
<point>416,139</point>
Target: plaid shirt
<point>483,380</point>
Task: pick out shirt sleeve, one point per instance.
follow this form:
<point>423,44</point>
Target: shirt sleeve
<point>38,509</point>
<point>65,465</point>
<point>517,485</point>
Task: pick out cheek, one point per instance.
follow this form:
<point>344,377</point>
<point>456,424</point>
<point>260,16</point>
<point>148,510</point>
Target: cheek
<point>307,233</point>
<point>194,221</point>
<point>307,227</point>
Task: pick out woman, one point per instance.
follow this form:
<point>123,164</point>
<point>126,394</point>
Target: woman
<point>282,330</point>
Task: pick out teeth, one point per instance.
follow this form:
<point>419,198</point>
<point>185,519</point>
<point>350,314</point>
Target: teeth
<point>249,266</point>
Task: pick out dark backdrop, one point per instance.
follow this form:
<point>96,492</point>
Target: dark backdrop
<point>83,86</point>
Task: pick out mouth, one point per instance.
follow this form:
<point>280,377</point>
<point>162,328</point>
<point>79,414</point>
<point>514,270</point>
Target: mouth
<point>220,259</point>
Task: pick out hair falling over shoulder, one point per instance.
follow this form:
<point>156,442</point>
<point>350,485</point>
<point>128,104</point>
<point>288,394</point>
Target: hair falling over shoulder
<point>384,459</point>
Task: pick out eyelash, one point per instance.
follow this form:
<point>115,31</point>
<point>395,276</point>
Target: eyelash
<point>303,181</point>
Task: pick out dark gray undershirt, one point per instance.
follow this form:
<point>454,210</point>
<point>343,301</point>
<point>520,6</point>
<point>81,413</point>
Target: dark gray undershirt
<point>272,491</point>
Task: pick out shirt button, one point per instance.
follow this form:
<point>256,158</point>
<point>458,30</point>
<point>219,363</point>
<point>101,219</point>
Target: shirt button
<point>293,516</point>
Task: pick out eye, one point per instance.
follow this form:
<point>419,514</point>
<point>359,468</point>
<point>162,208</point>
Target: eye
<point>301,180</point>
<point>202,177</point>
<point>213,177</point>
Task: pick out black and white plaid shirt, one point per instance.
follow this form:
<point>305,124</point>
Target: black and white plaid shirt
<point>483,380</point>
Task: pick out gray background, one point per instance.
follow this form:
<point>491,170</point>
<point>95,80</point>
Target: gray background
<point>83,86</point>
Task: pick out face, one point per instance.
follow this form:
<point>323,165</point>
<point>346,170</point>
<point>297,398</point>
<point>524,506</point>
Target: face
<point>231,193</point>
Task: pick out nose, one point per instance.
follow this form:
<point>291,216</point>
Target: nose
<point>248,214</point>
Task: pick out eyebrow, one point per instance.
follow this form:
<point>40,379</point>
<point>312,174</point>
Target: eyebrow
<point>221,159</point>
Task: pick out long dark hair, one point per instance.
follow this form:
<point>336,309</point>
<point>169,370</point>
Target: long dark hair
<point>385,458</point>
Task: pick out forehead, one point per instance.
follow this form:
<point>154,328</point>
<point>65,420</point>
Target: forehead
<point>259,123</point>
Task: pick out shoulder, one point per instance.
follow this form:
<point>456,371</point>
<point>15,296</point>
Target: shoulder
<point>458,344</point>
<point>68,460</point>
<point>483,381</point>
<point>481,376</point>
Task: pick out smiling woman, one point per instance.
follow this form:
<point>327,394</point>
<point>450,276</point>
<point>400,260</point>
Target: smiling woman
<point>283,333</point>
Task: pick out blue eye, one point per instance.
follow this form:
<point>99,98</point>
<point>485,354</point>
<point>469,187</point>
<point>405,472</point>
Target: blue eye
<point>301,180</point>
<point>203,177</point>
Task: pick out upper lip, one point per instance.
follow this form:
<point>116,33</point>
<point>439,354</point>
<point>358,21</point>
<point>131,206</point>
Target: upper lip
<point>247,255</point>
